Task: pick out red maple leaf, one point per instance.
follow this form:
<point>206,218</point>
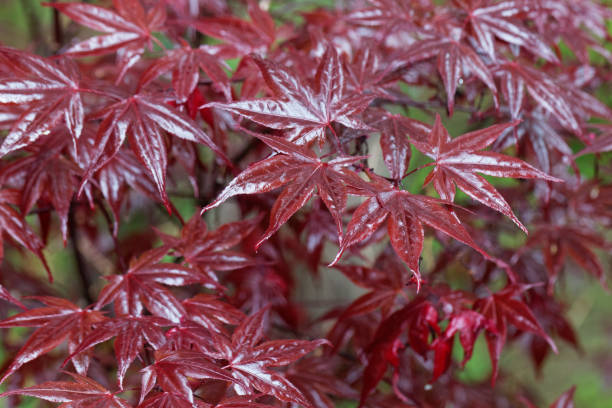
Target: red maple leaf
<point>130,335</point>
<point>57,321</point>
<point>141,286</point>
<point>304,109</point>
<point>458,160</point>
<point>301,171</point>
<point>172,371</point>
<point>491,20</point>
<point>502,308</point>
<point>83,392</point>
<point>241,37</point>
<point>142,118</point>
<point>50,90</point>
<point>209,251</point>
<point>14,224</point>
<point>128,30</point>
<point>250,361</point>
<point>406,214</point>
<point>453,58</point>
<point>185,64</point>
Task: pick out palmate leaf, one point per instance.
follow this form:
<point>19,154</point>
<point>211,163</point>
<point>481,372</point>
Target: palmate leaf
<point>301,171</point>
<point>241,37</point>
<point>468,324</point>
<point>453,59</point>
<point>307,110</point>
<point>396,132</point>
<point>405,214</point>
<point>249,359</point>
<point>141,287</point>
<point>458,160</point>
<point>490,20</point>
<point>503,308</point>
<point>171,372</point>
<point>46,176</point>
<point>14,225</point>
<point>50,90</point>
<point>569,105</point>
<point>558,243</point>
<point>143,118</point>
<point>128,30</point>
<point>57,321</point>
<point>209,251</point>
<point>130,335</point>
<point>83,392</point>
<point>419,318</point>
<point>185,64</point>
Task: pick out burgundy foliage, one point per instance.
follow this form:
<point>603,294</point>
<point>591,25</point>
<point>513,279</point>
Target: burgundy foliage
<point>256,144</point>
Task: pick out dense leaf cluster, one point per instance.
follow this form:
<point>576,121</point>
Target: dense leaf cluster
<point>319,128</point>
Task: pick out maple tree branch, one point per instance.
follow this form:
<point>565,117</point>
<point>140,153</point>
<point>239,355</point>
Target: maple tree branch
<point>78,257</point>
<point>406,101</point>
<point>58,34</point>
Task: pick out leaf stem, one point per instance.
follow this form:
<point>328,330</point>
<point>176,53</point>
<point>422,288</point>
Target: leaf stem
<point>417,169</point>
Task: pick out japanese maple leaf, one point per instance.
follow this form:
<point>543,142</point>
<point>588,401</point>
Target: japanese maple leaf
<point>419,318</point>
<point>551,315</point>
<point>172,371</point>
<point>502,308</point>
<point>209,251</point>
<point>458,160</point>
<point>406,214</point>
<point>57,321</point>
<point>122,174</point>
<point>250,361</point>
<point>301,171</point>
<point>544,138</point>
<point>565,400</point>
<point>6,295</point>
<point>170,400</point>
<point>141,286</point>
<point>566,103</point>
<point>366,71</point>
<point>453,58</point>
<point>212,313</point>
<point>14,225</point>
<point>143,117</point>
<point>600,145</point>
<point>46,175</point>
<point>490,20</point>
<point>185,64</point>
<point>128,30</point>
<point>51,92</point>
<point>468,324</point>
<point>390,15</point>
<point>304,109</point>
<point>242,37</point>
<point>560,242</point>
<point>83,392</point>
<point>314,376</point>
<point>174,400</point>
<point>396,131</point>
<point>130,334</point>
<point>385,281</point>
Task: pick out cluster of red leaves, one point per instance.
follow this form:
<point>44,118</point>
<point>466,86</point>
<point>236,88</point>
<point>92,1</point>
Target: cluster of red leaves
<point>304,130</point>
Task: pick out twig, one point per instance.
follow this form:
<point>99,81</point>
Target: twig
<point>58,33</point>
<point>78,257</point>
